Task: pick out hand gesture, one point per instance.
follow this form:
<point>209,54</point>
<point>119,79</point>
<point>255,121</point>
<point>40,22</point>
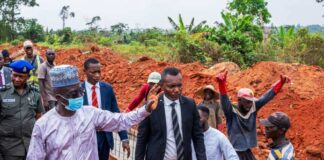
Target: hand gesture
<point>284,79</point>
<point>221,77</point>
<point>153,97</point>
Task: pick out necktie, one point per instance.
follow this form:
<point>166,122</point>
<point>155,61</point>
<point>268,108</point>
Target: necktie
<point>1,82</point>
<point>94,96</point>
<point>177,135</point>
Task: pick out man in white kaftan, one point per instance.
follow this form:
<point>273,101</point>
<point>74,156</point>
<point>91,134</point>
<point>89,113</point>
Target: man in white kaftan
<point>68,131</point>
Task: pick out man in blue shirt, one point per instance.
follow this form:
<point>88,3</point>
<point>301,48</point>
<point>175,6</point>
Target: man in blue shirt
<point>241,118</point>
<point>276,126</point>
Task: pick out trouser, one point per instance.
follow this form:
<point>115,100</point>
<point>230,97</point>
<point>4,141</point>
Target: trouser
<point>246,155</point>
<point>104,150</point>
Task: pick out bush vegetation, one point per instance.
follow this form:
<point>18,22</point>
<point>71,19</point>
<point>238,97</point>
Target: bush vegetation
<point>241,38</point>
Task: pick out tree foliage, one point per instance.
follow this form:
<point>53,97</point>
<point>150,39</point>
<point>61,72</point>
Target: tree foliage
<point>93,23</point>
<point>9,10</point>
<point>254,8</point>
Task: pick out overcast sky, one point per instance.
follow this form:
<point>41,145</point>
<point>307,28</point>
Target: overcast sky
<point>153,13</point>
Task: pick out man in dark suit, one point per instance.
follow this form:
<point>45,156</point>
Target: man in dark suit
<point>101,95</point>
<point>168,132</point>
<point>5,73</point>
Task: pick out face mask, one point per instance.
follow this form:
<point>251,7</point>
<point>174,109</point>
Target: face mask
<point>74,103</point>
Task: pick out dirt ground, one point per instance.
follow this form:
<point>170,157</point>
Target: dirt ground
<point>302,100</point>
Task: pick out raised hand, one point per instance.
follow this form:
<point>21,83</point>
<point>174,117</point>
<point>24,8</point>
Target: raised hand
<point>278,85</point>
<point>284,79</point>
<point>221,77</point>
<point>153,96</point>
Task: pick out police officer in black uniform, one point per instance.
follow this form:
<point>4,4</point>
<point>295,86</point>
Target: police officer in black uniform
<point>20,106</point>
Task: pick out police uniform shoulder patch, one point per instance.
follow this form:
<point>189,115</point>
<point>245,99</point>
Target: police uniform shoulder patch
<point>5,87</point>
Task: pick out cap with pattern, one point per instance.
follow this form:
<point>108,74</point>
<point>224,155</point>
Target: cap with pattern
<point>64,75</point>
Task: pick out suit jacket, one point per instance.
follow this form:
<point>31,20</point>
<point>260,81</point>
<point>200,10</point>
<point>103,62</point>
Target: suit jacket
<point>7,74</point>
<point>108,102</point>
<point>151,137</point>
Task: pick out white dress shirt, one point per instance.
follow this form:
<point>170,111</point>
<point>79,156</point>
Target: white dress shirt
<point>3,76</point>
<point>217,145</point>
<point>88,87</point>
<point>171,147</point>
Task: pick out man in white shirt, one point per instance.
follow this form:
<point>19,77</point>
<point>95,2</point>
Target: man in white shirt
<point>68,131</point>
<point>217,145</point>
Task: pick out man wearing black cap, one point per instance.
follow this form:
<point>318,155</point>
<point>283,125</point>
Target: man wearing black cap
<point>20,106</point>
<point>276,126</point>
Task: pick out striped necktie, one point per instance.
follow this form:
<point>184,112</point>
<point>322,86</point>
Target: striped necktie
<point>94,96</point>
<point>177,135</point>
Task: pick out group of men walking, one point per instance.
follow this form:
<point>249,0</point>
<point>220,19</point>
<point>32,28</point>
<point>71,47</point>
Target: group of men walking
<point>56,116</point>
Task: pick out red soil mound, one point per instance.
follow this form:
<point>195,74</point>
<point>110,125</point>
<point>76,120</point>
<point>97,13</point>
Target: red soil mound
<point>301,100</point>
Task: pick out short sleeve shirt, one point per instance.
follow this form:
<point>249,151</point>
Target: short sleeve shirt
<point>46,92</point>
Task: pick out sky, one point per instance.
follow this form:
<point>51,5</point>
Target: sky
<point>154,13</point>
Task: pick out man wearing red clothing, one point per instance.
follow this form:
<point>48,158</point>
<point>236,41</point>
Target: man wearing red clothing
<point>154,78</point>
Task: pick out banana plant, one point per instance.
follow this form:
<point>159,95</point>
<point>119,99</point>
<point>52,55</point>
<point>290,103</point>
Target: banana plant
<point>181,27</point>
<point>282,35</point>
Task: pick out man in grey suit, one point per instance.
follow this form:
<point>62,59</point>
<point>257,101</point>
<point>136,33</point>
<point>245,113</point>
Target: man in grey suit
<point>5,73</point>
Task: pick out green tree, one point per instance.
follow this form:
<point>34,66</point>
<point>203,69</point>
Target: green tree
<point>191,28</point>
<point>282,35</point>
<point>119,28</point>
<point>32,30</point>
<point>65,14</point>
<point>10,12</point>
<point>93,23</point>
<point>238,36</point>
<point>254,8</point>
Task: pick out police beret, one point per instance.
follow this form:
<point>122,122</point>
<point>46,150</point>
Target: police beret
<point>21,66</point>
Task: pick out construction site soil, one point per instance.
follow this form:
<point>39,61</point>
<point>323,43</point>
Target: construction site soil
<point>302,99</point>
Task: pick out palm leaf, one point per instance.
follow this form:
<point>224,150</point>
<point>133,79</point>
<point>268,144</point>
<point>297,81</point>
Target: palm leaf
<point>191,24</point>
<point>174,25</point>
<point>181,24</point>
<point>198,27</point>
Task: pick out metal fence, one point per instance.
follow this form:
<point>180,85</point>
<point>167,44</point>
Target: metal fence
<point>118,152</point>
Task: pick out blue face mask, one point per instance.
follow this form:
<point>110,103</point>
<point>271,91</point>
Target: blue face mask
<point>74,103</point>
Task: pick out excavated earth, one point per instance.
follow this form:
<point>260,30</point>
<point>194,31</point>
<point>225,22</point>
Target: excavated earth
<point>302,99</point>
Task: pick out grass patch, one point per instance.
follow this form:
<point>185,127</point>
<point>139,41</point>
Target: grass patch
<point>135,50</point>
